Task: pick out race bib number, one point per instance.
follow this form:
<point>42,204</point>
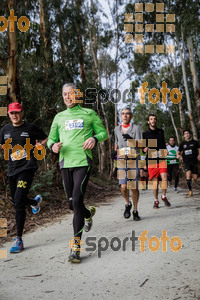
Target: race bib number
<point>74,124</point>
<point>127,150</point>
<point>172,161</point>
<point>188,152</point>
<point>143,157</point>
<point>18,155</point>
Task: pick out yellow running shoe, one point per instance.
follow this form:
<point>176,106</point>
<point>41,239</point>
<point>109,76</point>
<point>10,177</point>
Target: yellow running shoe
<point>190,194</point>
<point>88,222</point>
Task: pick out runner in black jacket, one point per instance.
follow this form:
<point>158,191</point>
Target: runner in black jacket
<point>189,152</point>
<point>21,168</point>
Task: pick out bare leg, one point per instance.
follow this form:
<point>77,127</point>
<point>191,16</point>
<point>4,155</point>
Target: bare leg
<point>135,197</point>
<point>155,191</point>
<point>164,180</point>
<point>125,193</point>
<point>194,176</point>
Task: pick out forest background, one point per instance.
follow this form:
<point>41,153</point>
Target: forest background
<point>83,42</point>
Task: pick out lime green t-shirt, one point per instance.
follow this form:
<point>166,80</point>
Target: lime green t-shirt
<point>72,127</point>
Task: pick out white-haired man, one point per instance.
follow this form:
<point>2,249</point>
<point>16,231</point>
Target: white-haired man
<point>123,132</point>
<point>74,133</point>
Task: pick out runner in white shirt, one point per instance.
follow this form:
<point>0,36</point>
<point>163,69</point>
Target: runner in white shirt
<point>172,163</point>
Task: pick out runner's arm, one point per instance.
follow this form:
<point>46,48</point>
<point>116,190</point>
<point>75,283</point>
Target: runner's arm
<point>53,137</point>
<point>198,157</point>
<point>100,131</point>
<point>179,155</point>
<point>116,140</point>
<point>42,142</point>
<point>145,149</point>
<point>139,136</point>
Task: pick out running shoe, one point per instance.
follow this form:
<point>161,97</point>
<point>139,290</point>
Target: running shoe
<point>175,190</point>
<point>167,203</point>
<point>36,209</point>
<point>169,184</point>
<point>18,246</point>
<point>74,256</point>
<point>156,204</point>
<point>127,212</point>
<point>190,194</point>
<point>136,216</point>
<point>88,222</point>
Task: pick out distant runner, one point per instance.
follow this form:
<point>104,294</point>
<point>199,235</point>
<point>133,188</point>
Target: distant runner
<point>74,132</point>
<point>172,163</point>
<point>158,169</point>
<point>20,169</point>
<point>189,152</point>
<point>127,130</point>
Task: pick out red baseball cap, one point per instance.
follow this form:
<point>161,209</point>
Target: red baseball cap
<point>15,106</point>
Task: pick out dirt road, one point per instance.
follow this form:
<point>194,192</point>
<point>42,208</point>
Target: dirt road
<point>42,271</point>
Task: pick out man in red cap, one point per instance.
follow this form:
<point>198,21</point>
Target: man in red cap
<point>22,165</point>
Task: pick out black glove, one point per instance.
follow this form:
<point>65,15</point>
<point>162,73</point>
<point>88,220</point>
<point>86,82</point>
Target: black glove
<point>113,155</point>
<point>126,136</point>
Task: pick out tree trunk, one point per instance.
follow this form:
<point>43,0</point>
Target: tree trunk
<point>116,60</point>
<point>61,29</point>
<point>12,60</point>
<point>45,37</point>
<point>81,60</point>
<point>80,42</point>
<point>181,113</point>
<point>173,123</point>
<point>195,80</point>
<point>93,46</point>
<point>198,52</point>
<point>192,124</point>
<point>116,86</point>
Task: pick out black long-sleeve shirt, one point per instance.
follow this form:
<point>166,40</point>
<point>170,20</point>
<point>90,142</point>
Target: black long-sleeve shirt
<point>157,134</point>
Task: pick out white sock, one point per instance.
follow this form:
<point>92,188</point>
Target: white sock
<point>163,196</point>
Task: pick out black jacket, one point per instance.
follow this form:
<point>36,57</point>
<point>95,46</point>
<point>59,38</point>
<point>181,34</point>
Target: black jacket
<point>157,134</point>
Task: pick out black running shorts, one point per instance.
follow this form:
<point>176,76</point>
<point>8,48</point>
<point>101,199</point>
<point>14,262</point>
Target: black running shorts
<point>191,166</point>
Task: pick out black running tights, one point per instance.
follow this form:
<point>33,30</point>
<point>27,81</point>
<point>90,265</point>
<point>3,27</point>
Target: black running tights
<point>75,182</point>
<point>19,188</point>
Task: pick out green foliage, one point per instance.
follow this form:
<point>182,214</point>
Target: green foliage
<point>42,181</point>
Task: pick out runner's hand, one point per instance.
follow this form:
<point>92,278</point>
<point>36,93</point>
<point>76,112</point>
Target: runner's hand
<point>126,136</point>
<point>198,157</point>
<point>89,143</point>
<point>113,155</point>
<point>37,143</point>
<point>56,147</point>
<point>145,149</point>
<point>180,157</point>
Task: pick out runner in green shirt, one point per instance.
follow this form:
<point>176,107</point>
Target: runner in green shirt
<point>71,136</point>
<point>172,163</point>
